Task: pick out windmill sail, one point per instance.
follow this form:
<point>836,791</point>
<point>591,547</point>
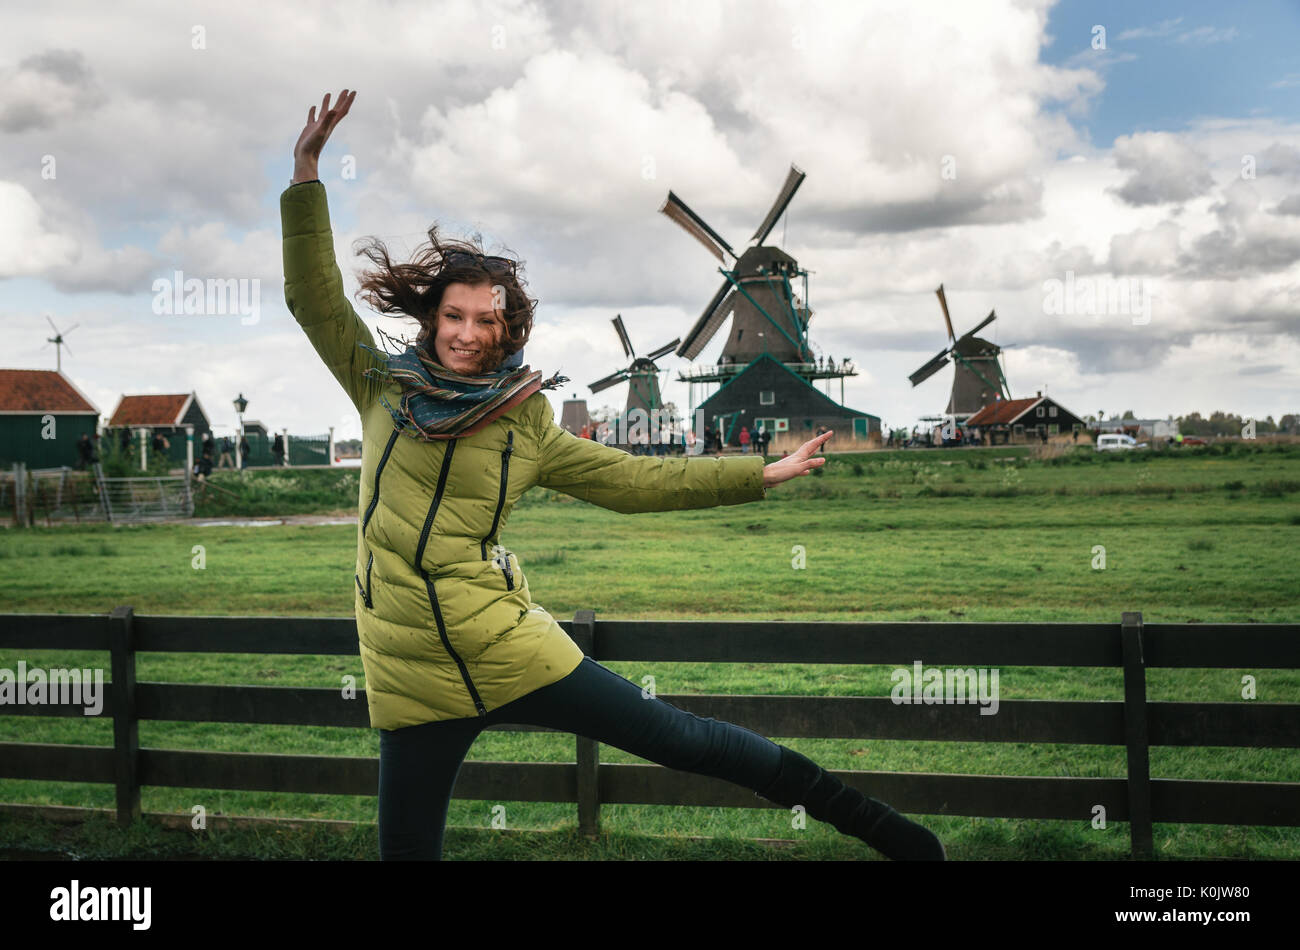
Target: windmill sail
<point>792,183</point>
<point>712,318</point>
<point>676,209</point>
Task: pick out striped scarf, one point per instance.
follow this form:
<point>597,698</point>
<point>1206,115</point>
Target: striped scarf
<point>438,403</point>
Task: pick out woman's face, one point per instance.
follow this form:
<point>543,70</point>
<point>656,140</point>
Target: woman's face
<point>469,330</point>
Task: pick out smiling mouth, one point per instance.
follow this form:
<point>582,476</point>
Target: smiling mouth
<point>460,352</point>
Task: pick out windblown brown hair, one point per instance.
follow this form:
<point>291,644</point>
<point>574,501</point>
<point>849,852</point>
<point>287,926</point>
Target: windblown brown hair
<point>415,289</point>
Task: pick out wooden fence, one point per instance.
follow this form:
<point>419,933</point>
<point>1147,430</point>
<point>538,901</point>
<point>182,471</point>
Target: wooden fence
<point>1135,722</point>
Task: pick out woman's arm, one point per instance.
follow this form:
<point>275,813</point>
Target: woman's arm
<point>626,483</point>
<point>313,285</point>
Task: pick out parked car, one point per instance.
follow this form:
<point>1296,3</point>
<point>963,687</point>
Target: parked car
<point>1117,441</point>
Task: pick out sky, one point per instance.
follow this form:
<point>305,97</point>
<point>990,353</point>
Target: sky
<point>1119,182</point>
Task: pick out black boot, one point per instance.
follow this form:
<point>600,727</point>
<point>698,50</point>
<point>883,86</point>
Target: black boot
<point>802,781</point>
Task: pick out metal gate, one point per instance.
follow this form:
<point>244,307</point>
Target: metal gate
<point>62,495</point>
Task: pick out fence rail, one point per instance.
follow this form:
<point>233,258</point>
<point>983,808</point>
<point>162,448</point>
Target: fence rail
<point>1134,722</point>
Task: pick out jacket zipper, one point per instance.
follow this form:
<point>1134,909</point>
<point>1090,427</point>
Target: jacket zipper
<point>428,581</point>
<point>501,501</point>
<point>379,470</point>
<point>370,510</point>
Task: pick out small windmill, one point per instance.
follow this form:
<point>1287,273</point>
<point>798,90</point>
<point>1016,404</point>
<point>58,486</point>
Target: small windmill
<point>979,379</point>
<point>768,316</point>
<point>642,374</point>
<point>58,342</point>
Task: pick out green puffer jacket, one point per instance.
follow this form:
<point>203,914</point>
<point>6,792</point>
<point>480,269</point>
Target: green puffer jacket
<point>447,624</point>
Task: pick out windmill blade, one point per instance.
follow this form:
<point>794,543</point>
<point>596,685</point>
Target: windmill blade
<point>676,209</point>
<point>943,302</point>
<point>712,318</point>
<point>668,348</point>
<point>986,321</point>
<point>71,328</point>
<point>51,323</point>
<point>930,368</point>
<point>614,379</point>
<point>792,183</point>
<point>622,337</point>
<point>68,348</point>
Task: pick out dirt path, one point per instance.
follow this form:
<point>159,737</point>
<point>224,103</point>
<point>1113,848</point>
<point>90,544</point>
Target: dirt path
<point>325,519</point>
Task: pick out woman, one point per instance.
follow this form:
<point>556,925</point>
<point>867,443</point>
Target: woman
<point>454,430</point>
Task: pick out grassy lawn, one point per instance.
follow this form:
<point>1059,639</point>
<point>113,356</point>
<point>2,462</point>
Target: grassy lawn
<point>963,536</point>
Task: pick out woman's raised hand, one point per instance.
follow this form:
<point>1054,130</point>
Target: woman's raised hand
<point>306,153</point>
<point>799,463</point>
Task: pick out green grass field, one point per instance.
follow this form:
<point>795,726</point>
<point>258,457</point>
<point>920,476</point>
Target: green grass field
<point>965,536</point>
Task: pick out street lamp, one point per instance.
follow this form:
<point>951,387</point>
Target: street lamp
<point>240,405</point>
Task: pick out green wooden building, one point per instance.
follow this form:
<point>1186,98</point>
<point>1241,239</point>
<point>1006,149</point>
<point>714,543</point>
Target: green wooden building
<point>42,417</point>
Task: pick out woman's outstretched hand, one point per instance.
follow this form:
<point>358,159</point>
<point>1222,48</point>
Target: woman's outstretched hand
<point>306,153</point>
<point>800,463</point>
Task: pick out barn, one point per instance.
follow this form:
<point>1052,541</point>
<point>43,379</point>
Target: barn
<point>42,417</point>
<point>768,394</point>
<point>1007,421</point>
<point>167,414</point>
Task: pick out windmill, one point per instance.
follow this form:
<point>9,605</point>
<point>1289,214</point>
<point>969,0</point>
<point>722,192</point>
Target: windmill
<point>58,342</point>
<point>768,368</point>
<point>768,317</point>
<point>979,379</point>
<point>642,374</point>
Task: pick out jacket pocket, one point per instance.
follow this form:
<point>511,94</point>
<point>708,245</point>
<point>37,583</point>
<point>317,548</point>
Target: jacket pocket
<point>365,590</point>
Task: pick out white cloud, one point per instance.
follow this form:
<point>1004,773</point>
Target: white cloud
<point>26,246</point>
<point>1165,169</point>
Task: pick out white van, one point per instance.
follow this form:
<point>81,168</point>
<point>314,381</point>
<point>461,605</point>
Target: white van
<point>1118,441</point>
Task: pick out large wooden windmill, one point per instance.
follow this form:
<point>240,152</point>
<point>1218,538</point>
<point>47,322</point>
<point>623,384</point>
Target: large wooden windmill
<point>768,317</point>
<point>641,374</point>
<point>979,379</point>
<point>768,367</point>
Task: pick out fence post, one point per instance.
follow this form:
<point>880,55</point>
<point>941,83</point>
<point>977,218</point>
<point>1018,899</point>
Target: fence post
<point>126,736</point>
<point>1135,735</point>
<point>588,750</point>
<point>20,494</point>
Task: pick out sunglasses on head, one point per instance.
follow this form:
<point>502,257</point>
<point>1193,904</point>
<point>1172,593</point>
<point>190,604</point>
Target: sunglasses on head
<point>493,265</point>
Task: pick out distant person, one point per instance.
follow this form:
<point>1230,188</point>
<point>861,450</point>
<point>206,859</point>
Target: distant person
<point>207,449</point>
<point>244,449</point>
<point>744,440</point>
<point>1075,437</point>
<point>277,450</point>
<point>227,453</point>
<point>85,451</point>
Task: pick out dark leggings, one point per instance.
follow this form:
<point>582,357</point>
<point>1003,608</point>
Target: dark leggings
<point>418,764</point>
